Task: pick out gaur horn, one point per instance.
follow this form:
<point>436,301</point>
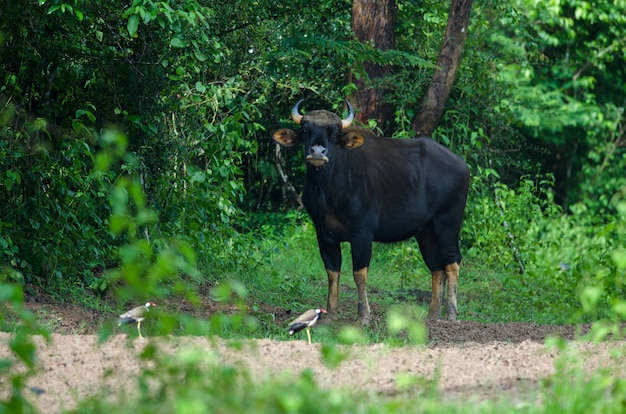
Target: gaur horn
<point>345,123</point>
<point>295,113</point>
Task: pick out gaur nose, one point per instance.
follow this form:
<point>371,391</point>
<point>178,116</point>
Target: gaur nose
<point>318,151</point>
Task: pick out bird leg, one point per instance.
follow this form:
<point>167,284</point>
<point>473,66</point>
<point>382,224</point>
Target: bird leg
<point>308,333</point>
<point>139,329</point>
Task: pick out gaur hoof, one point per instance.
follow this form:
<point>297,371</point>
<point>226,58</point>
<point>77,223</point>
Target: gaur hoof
<point>433,316</point>
<point>364,321</point>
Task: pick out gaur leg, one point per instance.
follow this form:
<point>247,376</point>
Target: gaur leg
<point>447,228</point>
<point>361,243</point>
<point>331,255</point>
<point>427,241</point>
<point>436,298</point>
<point>360,278</point>
<point>452,274</point>
<point>333,295</point>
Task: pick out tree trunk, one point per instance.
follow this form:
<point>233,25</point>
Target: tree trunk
<point>374,21</point>
<point>448,63</point>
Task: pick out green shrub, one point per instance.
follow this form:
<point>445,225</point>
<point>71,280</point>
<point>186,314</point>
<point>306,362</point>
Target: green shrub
<point>15,371</point>
<point>564,267</point>
<point>53,215</point>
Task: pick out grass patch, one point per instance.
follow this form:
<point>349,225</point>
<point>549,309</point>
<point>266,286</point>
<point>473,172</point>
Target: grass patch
<point>292,275</point>
<point>280,267</point>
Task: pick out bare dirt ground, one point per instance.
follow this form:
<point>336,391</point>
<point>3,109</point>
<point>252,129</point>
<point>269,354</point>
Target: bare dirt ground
<point>471,360</point>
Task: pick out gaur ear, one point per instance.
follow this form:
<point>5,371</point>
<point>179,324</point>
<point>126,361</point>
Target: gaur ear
<point>352,140</point>
<point>286,137</point>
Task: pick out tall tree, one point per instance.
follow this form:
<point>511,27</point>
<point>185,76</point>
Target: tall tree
<point>433,103</point>
<point>374,21</point>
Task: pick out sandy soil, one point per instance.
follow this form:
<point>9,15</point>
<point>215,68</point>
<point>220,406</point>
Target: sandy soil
<point>472,360</point>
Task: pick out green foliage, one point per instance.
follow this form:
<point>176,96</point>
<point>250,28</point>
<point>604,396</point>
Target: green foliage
<point>565,64</point>
<point>601,180</point>
<point>188,161</point>
<point>498,216</point>
<point>573,389</point>
<point>332,355</point>
<point>408,319</point>
<point>285,268</point>
<point>581,256</point>
<point>15,371</point>
<point>52,222</point>
<point>548,266</point>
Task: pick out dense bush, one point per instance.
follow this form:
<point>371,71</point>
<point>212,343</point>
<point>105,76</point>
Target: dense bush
<point>53,220</point>
<point>555,262</point>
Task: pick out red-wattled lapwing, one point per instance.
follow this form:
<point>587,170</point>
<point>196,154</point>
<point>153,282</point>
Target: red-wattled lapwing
<point>136,315</point>
<point>305,321</point>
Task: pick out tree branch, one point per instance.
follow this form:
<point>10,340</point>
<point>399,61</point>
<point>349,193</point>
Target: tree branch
<point>287,186</point>
<point>448,63</point>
